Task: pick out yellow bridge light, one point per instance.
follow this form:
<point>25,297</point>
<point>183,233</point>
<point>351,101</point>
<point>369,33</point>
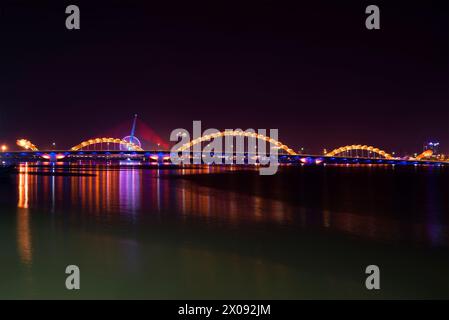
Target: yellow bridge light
<point>26,144</point>
<point>370,149</point>
<point>106,140</point>
<point>235,134</point>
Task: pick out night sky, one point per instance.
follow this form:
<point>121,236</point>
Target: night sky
<point>309,68</point>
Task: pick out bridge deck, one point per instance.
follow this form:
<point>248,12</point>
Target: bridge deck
<point>163,155</point>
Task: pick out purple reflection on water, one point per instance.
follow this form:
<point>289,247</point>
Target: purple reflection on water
<point>130,192</point>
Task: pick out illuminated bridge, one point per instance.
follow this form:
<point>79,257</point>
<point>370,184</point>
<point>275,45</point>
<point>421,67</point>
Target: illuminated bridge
<point>160,157</point>
<point>113,149</point>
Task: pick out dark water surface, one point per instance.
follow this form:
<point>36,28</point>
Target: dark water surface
<point>306,232</point>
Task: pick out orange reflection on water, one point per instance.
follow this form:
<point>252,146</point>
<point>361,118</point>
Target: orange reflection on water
<point>23,219</point>
<point>24,236</point>
<point>113,194</point>
<point>23,186</point>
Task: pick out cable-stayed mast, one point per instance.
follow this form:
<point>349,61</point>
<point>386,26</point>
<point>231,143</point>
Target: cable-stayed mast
<point>133,129</point>
<point>132,137</point>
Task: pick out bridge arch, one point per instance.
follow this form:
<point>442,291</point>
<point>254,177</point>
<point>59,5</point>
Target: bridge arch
<point>360,147</point>
<point>236,133</point>
<point>95,141</point>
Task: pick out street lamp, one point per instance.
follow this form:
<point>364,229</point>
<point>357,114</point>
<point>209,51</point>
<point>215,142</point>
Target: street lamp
<point>4,148</point>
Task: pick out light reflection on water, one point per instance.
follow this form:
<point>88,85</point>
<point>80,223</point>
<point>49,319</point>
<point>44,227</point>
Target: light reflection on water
<point>112,197</point>
<point>132,193</point>
<point>23,219</point>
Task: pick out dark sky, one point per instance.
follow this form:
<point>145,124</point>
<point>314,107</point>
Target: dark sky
<point>309,68</point>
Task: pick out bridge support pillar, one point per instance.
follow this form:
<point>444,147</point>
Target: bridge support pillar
<point>52,157</point>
